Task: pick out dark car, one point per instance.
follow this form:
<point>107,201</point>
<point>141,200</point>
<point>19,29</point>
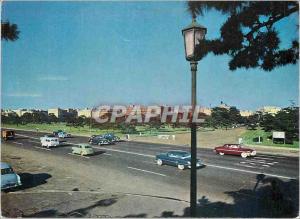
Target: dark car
<point>235,149</point>
<point>56,132</point>
<point>180,159</point>
<point>100,141</point>
<point>111,137</point>
<point>93,136</point>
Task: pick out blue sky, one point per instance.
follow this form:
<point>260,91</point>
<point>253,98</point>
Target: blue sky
<point>82,54</point>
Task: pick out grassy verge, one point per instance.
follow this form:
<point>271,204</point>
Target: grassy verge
<point>249,135</point>
<point>62,126</point>
<point>86,130</point>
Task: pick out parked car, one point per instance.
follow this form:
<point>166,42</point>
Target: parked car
<point>63,135</point>
<point>56,132</point>
<point>82,149</point>
<point>49,141</point>
<point>181,159</point>
<point>93,136</point>
<point>111,137</point>
<point>9,179</point>
<point>235,149</point>
<point>8,134</point>
<point>99,140</point>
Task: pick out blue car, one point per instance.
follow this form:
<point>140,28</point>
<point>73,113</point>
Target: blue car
<point>111,137</point>
<point>180,159</point>
<point>9,179</point>
<point>63,135</point>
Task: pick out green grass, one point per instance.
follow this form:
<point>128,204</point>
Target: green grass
<point>145,130</point>
<point>250,134</point>
<point>62,126</point>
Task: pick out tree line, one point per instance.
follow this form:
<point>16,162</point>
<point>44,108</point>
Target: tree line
<point>286,120</point>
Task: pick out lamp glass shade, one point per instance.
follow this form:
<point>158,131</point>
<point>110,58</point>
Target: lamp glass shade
<point>189,43</point>
<point>199,35</point>
<point>193,35</point>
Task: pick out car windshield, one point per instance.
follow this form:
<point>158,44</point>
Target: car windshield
<point>87,146</point>
<point>181,154</point>
<point>234,146</point>
<point>7,171</point>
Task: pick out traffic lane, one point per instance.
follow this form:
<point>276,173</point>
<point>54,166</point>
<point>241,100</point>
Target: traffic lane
<point>130,160</point>
<point>260,163</point>
<point>279,164</point>
<point>218,165</point>
<point>214,183</point>
<point>143,145</point>
<point>65,148</point>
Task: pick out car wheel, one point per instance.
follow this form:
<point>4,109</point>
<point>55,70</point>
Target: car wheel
<point>253,153</point>
<point>180,166</point>
<point>244,155</point>
<point>159,162</point>
<point>221,153</point>
<point>99,143</point>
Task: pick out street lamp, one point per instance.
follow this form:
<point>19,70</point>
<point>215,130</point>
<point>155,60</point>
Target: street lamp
<point>193,34</point>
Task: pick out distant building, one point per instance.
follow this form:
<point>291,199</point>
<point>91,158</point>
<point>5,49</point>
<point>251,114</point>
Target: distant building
<point>224,105</point>
<point>59,113</point>
<point>72,112</point>
<point>269,110</point>
<point>7,112</point>
<point>21,112</point>
<point>84,112</point>
<point>206,111</point>
<point>246,113</point>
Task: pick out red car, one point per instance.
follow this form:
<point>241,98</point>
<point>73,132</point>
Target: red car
<point>235,149</point>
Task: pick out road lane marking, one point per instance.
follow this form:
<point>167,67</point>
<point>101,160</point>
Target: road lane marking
<point>245,165</point>
<point>27,136</point>
<point>43,148</point>
<point>249,171</point>
<point>126,152</point>
<point>271,156</point>
<point>265,158</point>
<point>79,155</point>
<point>146,171</point>
<point>107,154</point>
<point>251,163</point>
<point>17,142</point>
<point>260,162</point>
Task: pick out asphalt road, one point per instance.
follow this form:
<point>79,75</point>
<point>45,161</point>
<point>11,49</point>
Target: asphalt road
<point>222,176</point>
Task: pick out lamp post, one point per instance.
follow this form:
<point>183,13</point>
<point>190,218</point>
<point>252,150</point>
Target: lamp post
<point>192,35</point>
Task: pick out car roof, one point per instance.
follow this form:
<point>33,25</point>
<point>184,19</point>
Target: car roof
<point>178,151</point>
<point>51,137</point>
<point>232,144</point>
<point>5,165</point>
<point>82,145</point>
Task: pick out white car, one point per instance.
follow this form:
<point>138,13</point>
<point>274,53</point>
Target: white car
<point>49,141</point>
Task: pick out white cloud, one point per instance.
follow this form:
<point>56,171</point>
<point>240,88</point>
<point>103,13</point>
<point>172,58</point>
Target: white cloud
<point>53,78</point>
<point>23,95</point>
